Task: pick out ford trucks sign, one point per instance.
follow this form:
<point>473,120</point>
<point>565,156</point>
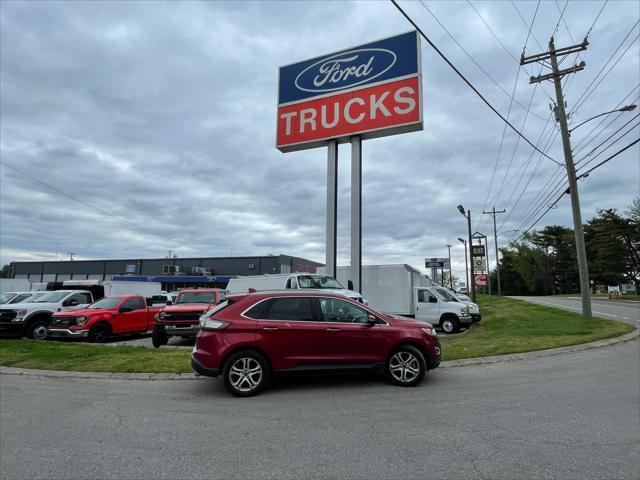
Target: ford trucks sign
<point>372,90</point>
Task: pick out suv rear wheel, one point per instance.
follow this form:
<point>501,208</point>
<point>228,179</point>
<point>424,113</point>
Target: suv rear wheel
<point>406,366</point>
<point>246,373</point>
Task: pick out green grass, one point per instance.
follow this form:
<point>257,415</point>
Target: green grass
<point>91,358</point>
<point>508,326</point>
<point>512,326</point>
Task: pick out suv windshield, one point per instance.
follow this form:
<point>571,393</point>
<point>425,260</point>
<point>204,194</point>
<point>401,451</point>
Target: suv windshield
<point>446,296</point>
<point>107,302</point>
<point>53,297</point>
<point>316,281</point>
<point>196,297</point>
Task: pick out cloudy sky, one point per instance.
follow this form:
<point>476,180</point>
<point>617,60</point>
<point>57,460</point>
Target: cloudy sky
<point>131,128</point>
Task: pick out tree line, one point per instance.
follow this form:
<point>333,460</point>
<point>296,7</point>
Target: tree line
<point>544,262</point>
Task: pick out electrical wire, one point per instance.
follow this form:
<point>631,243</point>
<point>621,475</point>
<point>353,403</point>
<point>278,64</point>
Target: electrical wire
<point>500,87</point>
<point>469,84</point>
<point>586,174</point>
<point>608,138</point>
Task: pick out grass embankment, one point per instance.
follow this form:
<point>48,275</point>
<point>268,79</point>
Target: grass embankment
<point>508,326</point>
<point>512,326</point>
<point>52,355</point>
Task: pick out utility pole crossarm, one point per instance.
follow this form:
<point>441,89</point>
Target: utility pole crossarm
<point>538,57</point>
<point>561,73</point>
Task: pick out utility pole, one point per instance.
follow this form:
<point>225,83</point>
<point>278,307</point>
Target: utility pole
<point>494,212</point>
<point>561,116</point>
<point>450,277</point>
<point>466,262</point>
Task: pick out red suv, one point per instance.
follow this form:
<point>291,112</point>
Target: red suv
<point>250,337</point>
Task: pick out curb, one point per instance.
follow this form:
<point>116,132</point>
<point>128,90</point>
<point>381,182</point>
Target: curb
<point>446,364</point>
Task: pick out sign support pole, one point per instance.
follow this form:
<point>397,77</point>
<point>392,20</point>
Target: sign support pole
<point>356,213</point>
<point>332,207</point>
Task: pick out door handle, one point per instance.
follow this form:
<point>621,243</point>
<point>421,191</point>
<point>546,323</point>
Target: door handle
<point>332,329</point>
<point>270,329</point>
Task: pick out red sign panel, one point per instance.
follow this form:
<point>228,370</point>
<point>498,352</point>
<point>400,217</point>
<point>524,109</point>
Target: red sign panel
<point>481,280</point>
<point>365,110</point>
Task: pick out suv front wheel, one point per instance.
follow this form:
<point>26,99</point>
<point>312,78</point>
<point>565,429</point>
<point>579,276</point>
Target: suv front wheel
<point>245,373</point>
<point>406,366</point>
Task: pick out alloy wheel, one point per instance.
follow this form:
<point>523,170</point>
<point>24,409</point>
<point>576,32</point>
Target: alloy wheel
<point>245,374</point>
<point>404,367</point>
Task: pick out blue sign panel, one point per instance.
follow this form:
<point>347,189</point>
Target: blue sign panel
<point>376,62</point>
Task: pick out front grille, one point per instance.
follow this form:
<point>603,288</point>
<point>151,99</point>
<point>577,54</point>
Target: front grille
<point>169,316</point>
<point>63,321</point>
<point>7,315</point>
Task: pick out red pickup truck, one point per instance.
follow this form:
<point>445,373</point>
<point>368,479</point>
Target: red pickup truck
<point>116,315</point>
<point>183,317</point>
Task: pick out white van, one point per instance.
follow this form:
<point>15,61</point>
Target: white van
<point>438,307</point>
<point>290,280</point>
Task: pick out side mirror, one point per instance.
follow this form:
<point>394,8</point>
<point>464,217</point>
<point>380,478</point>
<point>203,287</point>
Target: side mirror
<point>169,302</point>
<point>71,303</point>
<point>433,300</point>
<point>371,319</point>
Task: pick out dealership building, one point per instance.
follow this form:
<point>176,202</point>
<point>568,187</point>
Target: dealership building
<point>173,273</point>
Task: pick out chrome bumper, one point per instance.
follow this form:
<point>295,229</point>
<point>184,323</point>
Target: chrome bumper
<point>65,332</point>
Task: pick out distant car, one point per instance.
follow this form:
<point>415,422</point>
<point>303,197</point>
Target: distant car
<point>463,290</point>
<point>250,337</point>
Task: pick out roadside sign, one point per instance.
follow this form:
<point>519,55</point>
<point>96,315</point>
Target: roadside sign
<point>479,264</point>
<point>371,90</point>
<point>440,262</point>
<point>477,251</point>
<point>481,280</point>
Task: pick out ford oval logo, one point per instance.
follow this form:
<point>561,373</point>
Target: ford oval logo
<point>345,70</point>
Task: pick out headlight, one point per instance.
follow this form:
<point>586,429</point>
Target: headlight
<point>464,311</point>
<point>429,331</point>
<point>162,316</point>
<point>81,321</point>
<point>20,315</point>
<point>212,324</point>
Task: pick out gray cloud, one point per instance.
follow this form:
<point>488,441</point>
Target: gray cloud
<point>163,114</point>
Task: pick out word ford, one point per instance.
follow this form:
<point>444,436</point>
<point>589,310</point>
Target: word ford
<point>336,73</point>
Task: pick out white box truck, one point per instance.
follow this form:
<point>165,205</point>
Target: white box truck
<point>403,290</point>
<point>146,289</point>
<point>290,280</point>
<point>15,285</point>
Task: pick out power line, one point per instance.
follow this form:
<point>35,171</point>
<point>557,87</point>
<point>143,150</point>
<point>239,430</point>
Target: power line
<point>586,174</point>
<point>500,87</point>
<point>583,175</point>
<point>609,137</point>
<point>453,67</point>
<point>582,98</point>
<point>86,204</point>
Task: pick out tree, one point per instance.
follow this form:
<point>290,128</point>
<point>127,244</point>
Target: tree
<point>6,271</point>
<point>612,248</point>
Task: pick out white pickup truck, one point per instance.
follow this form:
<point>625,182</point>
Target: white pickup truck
<point>283,281</point>
<point>32,319</point>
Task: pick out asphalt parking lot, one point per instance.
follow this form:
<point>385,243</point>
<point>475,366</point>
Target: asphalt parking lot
<point>568,416</point>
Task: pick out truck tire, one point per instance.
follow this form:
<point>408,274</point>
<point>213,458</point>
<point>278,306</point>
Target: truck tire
<point>38,330</point>
<point>450,324</point>
<point>159,337</point>
<point>99,333</point>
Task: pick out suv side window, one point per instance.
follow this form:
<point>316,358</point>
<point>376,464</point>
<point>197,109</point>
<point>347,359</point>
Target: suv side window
<point>334,310</point>
<point>134,303</point>
<point>291,308</point>
<point>259,310</point>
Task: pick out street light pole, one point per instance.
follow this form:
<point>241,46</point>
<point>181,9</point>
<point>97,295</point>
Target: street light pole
<point>450,277</point>
<point>473,281</point>
<point>466,264</point>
